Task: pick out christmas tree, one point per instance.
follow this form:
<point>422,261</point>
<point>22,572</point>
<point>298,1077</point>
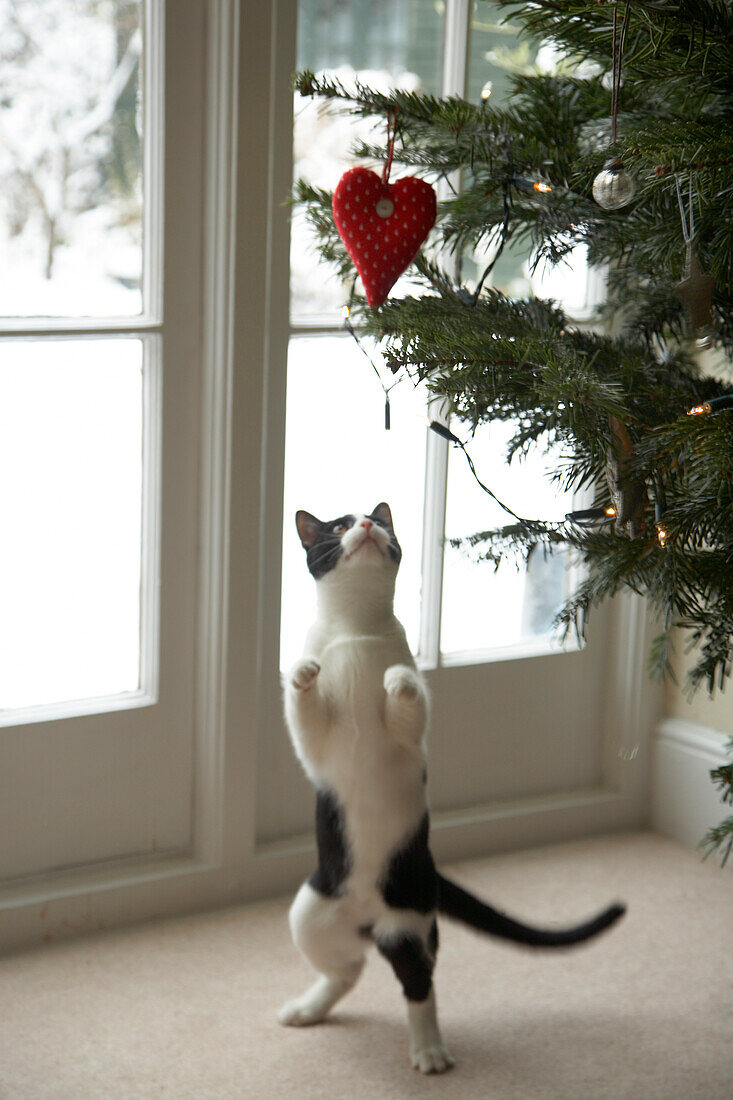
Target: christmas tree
<point>638,113</point>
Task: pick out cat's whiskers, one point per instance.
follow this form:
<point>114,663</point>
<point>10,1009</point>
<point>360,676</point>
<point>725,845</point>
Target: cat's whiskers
<point>328,552</point>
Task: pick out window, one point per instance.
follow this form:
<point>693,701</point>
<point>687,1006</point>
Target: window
<point>80,350</point>
<point>197,798</point>
<point>453,608</point>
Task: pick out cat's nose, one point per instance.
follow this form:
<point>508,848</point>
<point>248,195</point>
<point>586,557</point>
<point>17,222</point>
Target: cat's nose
<point>366,524</point>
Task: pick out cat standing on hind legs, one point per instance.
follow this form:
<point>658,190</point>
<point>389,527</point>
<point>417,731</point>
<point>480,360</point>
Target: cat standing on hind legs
<point>357,710</point>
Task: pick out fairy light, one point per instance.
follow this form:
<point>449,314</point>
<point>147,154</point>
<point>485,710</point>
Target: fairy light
<point>589,517</point>
<point>487,90</point>
<point>725,401</point>
<point>539,187</point>
<point>345,312</point>
<point>662,536</point>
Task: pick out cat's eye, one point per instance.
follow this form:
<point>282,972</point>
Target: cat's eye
<point>340,529</point>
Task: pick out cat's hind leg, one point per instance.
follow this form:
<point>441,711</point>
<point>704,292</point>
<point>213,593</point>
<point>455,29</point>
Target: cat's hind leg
<point>409,941</point>
<point>327,937</point>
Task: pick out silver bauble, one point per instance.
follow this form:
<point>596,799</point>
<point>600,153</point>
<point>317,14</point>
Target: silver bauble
<point>613,187</point>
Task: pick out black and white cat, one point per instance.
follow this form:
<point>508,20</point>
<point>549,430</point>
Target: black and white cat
<point>357,708</point>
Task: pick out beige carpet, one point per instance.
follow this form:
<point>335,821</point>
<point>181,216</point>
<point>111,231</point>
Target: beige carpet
<point>186,1008</point>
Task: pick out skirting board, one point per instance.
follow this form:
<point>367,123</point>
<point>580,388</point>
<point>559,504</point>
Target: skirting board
<point>684,802</point>
<point>476,831</point>
<point>76,903</point>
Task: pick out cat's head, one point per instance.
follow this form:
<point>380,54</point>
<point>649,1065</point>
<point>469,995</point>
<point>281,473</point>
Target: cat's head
<point>351,543</point>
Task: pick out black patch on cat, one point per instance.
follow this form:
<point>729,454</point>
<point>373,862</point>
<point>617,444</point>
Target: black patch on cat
<point>325,551</point>
<point>395,550</point>
<point>410,880</point>
<point>433,938</point>
<point>411,963</point>
<point>334,862</point>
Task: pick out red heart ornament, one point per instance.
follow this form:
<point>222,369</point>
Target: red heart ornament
<point>382,226</point>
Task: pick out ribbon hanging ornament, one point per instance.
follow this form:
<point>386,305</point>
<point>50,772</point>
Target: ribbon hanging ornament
<point>382,224</point>
<point>614,187</point>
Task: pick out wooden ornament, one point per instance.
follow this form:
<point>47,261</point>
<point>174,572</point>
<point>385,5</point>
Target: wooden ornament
<point>696,294</point>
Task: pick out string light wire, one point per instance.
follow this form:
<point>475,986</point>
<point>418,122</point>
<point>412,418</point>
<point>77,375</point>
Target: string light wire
<point>446,433</point>
<point>346,314</point>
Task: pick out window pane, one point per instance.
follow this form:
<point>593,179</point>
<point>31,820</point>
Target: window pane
<point>483,609</point>
<point>70,158</point>
<point>386,44</point>
<point>339,459</point>
<point>495,52</point>
<point>71,431</point>
<point>566,283</point>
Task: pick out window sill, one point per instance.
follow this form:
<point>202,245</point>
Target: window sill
<point>545,646</point>
<point>76,708</point>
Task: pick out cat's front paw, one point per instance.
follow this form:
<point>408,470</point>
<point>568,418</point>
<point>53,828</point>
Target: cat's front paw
<point>303,674</point>
<point>401,682</point>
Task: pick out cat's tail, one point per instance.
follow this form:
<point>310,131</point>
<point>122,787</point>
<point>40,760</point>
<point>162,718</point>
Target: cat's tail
<point>456,902</point>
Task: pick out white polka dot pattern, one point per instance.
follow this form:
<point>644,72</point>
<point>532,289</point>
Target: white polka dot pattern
<point>382,247</point>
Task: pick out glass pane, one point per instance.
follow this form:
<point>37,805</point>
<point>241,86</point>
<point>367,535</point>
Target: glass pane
<point>386,44</point>
<point>494,50</point>
<point>338,459</point>
<point>483,609</point>
<point>70,158</point>
<point>566,283</point>
<point>71,424</point>
<point>495,53</point>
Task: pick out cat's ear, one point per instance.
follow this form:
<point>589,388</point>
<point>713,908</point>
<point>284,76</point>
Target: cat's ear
<point>383,514</point>
<point>308,527</point>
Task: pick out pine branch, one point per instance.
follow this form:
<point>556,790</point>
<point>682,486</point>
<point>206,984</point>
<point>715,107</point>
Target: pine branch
<point>720,837</point>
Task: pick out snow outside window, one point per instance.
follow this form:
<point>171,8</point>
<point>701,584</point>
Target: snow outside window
<point>78,346</point>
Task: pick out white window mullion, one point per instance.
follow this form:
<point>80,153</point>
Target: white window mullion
<point>455,47</point>
<point>455,69</point>
<point>153,99</point>
<point>436,478</point>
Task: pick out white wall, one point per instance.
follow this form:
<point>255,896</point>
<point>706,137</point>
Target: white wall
<point>690,741</point>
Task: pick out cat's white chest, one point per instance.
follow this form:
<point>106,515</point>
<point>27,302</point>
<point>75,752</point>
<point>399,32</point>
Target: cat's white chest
<point>360,751</point>
<point>378,780</point>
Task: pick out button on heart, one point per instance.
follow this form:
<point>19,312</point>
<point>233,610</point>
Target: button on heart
<point>382,226</point>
